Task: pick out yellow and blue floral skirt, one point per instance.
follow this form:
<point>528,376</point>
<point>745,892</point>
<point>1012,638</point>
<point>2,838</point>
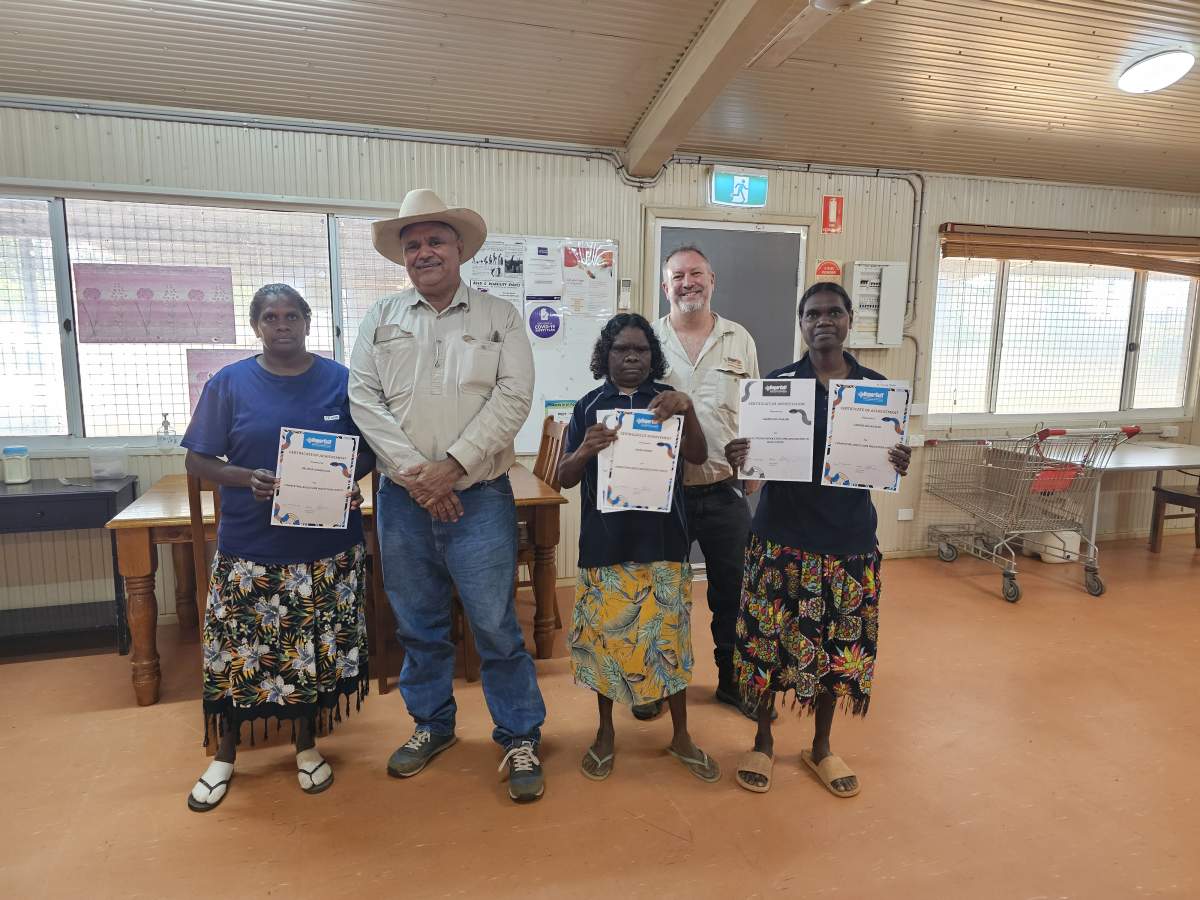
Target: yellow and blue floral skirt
<point>631,634</point>
<point>807,623</point>
<point>284,641</point>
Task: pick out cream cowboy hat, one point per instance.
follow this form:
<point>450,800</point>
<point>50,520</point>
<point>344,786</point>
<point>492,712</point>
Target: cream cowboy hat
<point>423,205</point>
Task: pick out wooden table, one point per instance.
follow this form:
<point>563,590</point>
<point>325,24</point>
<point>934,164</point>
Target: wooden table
<point>160,516</point>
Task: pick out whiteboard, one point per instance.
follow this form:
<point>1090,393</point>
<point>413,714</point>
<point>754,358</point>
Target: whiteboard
<point>565,290</point>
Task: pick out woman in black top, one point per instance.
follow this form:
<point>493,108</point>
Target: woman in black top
<point>809,615</point>
<point>631,638</point>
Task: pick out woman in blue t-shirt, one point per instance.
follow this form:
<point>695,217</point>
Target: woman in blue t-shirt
<point>284,629</point>
<point>809,616</point>
<point>631,636</point>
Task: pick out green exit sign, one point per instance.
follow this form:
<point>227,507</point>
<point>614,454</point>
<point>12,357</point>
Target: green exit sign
<point>738,187</point>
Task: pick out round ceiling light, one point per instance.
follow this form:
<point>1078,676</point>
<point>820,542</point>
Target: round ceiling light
<point>836,5</point>
<point>1156,72</point>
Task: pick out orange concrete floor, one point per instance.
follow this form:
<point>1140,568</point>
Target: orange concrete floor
<point>1043,749</point>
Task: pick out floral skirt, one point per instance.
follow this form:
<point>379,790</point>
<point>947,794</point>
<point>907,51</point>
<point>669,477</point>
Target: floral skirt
<point>809,624</point>
<point>284,641</point>
<point>631,633</point>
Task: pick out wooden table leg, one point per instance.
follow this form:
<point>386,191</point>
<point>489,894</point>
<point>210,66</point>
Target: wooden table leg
<point>545,578</point>
<point>138,561</point>
<point>185,587</point>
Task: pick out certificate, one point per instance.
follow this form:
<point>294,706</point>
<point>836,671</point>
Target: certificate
<point>866,419</point>
<point>316,475</point>
<point>777,415</point>
<point>637,470</point>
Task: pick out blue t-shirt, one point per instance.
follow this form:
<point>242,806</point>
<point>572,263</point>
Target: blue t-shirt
<point>809,515</point>
<point>634,536</point>
<point>238,417</point>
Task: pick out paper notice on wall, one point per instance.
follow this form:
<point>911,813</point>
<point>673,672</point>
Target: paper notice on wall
<point>131,304</point>
<point>589,277</point>
<point>543,268</point>
<point>498,269</point>
<point>545,322</point>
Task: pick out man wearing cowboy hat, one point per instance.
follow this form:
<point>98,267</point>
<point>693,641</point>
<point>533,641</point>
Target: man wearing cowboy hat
<point>441,380</point>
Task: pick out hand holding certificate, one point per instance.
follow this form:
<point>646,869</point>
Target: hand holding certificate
<point>777,416</point>
<point>315,473</point>
<point>638,469</point>
<point>866,420</point>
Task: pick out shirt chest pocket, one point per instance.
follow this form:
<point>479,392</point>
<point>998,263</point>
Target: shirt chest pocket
<point>396,362</point>
<point>479,365</point>
<point>723,387</point>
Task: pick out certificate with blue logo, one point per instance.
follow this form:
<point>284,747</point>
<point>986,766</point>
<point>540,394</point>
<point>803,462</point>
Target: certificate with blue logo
<point>316,475</point>
<point>777,415</point>
<point>638,469</point>
<point>866,420</point>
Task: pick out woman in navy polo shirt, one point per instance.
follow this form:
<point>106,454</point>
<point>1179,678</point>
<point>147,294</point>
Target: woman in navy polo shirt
<point>809,615</point>
<point>631,638</point>
<point>284,630</point>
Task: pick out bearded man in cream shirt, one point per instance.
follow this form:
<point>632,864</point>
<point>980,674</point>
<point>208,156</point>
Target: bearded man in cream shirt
<point>708,356</point>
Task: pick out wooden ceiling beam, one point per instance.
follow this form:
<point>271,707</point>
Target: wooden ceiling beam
<point>730,37</point>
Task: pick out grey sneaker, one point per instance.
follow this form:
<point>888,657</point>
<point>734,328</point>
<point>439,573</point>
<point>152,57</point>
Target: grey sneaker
<point>416,753</point>
<point>523,770</point>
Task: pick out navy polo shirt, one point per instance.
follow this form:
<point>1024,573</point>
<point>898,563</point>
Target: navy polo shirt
<point>633,536</point>
<point>238,417</point>
<point>811,516</point>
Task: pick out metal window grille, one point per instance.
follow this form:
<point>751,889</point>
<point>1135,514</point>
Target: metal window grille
<point>126,388</point>
<point>365,276</point>
<point>1046,338</point>
<point>32,387</point>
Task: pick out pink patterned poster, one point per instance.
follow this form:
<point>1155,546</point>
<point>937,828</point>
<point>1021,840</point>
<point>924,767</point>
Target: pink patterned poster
<point>204,364</point>
<point>126,304</point>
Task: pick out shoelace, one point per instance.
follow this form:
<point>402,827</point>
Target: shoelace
<point>418,740</point>
<point>522,756</point>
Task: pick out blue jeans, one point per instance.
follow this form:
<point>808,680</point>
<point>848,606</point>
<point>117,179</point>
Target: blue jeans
<point>422,559</point>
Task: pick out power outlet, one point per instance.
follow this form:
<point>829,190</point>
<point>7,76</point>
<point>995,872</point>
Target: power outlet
<point>1170,431</point>
<point>904,515</point>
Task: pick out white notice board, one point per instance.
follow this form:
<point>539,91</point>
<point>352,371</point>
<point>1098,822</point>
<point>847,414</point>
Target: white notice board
<point>565,290</point>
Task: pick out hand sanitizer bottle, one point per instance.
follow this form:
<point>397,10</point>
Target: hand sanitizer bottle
<point>168,440</point>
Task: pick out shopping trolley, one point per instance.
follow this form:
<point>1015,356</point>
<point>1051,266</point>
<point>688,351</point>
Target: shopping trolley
<point>1015,489</point>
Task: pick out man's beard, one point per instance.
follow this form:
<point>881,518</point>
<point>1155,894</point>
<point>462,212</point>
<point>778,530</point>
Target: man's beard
<point>693,303</point>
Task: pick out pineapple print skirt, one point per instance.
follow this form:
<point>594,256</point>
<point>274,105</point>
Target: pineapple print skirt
<point>809,624</point>
<point>631,633</point>
<point>284,641</point>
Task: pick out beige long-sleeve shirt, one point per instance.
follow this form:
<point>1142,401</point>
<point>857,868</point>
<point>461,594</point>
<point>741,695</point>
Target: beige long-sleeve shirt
<point>424,384</point>
<point>728,356</point>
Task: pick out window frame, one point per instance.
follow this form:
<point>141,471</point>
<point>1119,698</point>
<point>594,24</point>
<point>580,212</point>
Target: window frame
<point>1127,412</point>
<point>75,439</point>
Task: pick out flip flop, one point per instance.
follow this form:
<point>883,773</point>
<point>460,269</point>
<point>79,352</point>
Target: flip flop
<point>829,770</point>
<point>313,786</point>
<point>755,762</point>
<point>197,806</point>
<point>601,773</point>
<point>705,768</point>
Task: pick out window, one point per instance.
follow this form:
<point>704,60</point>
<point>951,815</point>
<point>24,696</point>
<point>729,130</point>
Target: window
<point>126,388</point>
<point>32,387</point>
<point>365,275</point>
<point>1040,338</point>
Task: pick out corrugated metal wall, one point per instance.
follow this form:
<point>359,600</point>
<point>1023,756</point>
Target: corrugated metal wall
<point>538,193</point>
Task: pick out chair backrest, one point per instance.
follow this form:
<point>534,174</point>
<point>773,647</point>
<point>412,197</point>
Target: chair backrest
<point>550,451</point>
<point>200,561</point>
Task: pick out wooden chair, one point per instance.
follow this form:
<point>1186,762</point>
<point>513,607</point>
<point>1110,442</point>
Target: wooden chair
<point>201,561</point>
<point>1188,498</point>
<point>545,467</point>
<point>387,656</point>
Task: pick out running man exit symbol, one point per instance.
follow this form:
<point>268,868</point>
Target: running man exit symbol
<point>741,189</point>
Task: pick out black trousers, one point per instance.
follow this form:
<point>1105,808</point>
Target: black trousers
<point>718,517</point>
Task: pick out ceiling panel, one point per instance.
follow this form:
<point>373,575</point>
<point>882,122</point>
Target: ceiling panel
<point>1018,88</point>
<point>573,70</point>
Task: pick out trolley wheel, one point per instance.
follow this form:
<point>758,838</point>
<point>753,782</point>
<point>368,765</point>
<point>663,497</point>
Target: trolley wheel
<point>1011,590</point>
<point>1093,583</point>
<point>947,552</point>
